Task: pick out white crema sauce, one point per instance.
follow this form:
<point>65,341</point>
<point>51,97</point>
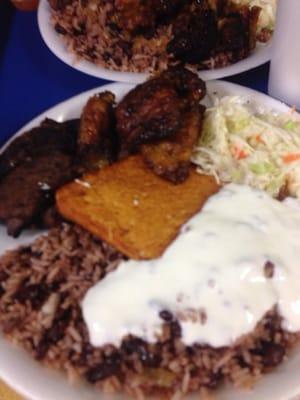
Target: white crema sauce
<point>212,278</point>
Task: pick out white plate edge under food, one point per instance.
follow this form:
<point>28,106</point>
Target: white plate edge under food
<point>35,382</point>
<point>259,56</point>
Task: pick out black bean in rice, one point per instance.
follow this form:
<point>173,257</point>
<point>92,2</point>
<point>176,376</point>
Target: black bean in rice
<point>87,32</point>
<point>41,286</point>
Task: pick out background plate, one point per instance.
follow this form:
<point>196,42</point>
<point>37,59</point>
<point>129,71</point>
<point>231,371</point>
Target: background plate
<point>35,382</point>
<point>259,56</point>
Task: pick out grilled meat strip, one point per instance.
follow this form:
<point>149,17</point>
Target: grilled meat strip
<point>32,167</point>
<point>28,190</point>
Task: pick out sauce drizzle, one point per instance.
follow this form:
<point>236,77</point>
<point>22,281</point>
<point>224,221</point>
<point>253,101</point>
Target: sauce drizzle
<point>231,263</point>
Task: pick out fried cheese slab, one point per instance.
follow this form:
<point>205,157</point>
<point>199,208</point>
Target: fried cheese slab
<point>131,208</point>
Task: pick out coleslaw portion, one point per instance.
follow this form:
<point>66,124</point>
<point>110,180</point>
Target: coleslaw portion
<point>243,143</point>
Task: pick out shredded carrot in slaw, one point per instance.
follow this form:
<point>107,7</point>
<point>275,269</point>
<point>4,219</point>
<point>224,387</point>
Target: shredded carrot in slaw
<point>243,142</point>
<point>291,157</point>
<point>259,139</point>
<point>238,153</point>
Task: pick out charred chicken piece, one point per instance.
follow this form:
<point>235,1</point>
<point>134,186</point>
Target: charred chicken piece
<point>237,28</point>
<point>135,16</point>
<point>231,31</point>
<point>170,158</point>
<point>195,33</point>
<point>167,8</point>
<point>208,27</point>
<point>153,110</point>
<point>149,112</point>
<point>97,142</point>
<point>162,118</point>
<point>189,87</point>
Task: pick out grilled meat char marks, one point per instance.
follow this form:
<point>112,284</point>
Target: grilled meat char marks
<point>28,190</point>
<point>189,86</point>
<point>49,136</point>
<point>195,35</point>
<point>31,169</point>
<point>162,118</point>
<point>43,159</point>
<point>153,110</point>
<point>201,28</point>
<point>237,29</point>
<point>170,158</point>
<point>205,28</point>
<point>150,111</point>
<point>148,36</point>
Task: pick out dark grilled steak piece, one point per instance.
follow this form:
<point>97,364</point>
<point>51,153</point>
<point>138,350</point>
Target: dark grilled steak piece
<point>189,86</point>
<point>50,136</point>
<point>28,190</point>
<point>32,167</point>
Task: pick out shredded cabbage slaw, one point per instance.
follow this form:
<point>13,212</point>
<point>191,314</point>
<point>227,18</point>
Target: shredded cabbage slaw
<point>245,144</point>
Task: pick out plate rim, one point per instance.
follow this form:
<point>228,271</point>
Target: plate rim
<point>56,45</point>
<point>24,387</point>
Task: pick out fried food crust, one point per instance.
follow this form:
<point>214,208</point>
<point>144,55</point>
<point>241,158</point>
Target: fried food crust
<point>170,158</point>
<point>96,139</point>
<point>162,118</point>
<point>151,111</point>
<point>133,209</point>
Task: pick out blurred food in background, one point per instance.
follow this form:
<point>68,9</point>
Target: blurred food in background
<point>26,5</point>
<point>266,21</point>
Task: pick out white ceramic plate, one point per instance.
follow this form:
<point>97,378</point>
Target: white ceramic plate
<point>36,383</point>
<point>55,43</point>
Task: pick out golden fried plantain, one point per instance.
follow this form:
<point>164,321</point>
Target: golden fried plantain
<point>96,139</point>
<point>170,158</point>
<point>133,209</point>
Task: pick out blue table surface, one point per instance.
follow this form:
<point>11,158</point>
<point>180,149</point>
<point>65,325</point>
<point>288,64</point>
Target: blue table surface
<point>32,79</point>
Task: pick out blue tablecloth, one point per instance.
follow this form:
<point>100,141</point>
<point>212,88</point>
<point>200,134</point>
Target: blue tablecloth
<point>32,79</point>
